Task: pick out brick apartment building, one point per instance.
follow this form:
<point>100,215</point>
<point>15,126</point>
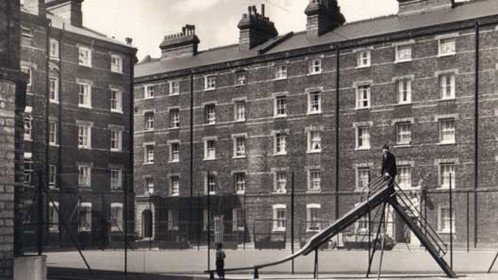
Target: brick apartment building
<point>77,124</point>
<point>237,127</point>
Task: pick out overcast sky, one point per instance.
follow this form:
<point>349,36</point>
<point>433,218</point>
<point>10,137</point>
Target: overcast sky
<point>147,21</point>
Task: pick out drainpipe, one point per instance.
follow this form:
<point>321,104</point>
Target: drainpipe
<point>476,132</point>
<point>191,181</point>
<point>337,138</point>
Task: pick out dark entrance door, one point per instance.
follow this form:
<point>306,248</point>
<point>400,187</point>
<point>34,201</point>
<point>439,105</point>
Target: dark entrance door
<point>147,223</point>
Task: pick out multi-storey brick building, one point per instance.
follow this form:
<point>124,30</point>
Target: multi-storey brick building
<point>242,125</point>
<point>77,125</point>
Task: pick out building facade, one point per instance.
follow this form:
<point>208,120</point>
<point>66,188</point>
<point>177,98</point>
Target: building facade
<point>242,129</point>
<point>77,124</point>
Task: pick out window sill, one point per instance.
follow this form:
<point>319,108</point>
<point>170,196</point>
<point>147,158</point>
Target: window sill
<point>362,108</point>
<point>29,140</point>
<point>209,89</point>
<point>241,192</point>
<point>52,101</point>
<point>209,124</point>
<point>209,159</point>
<point>84,148</point>
<point>446,143</point>
<point>149,130</point>
<point>280,154</point>
<point>116,151</point>
<point>362,66</point>
<point>174,128</point>
<point>148,163</point>
<point>240,85</point>
<point>54,145</point>
<point>401,61</point>
<point>402,145</point>
<point>174,161</point>
<point>314,73</point>
<point>447,99</point>
<point>84,106</point>
<point>174,94</point>
<point>279,192</point>
<point>280,79</point>
<point>117,111</point>
<point>85,65</point>
<point>314,191</point>
<point>403,103</point>
<point>314,113</point>
<point>362,149</point>
<point>174,195</point>
<point>314,152</point>
<point>446,54</point>
<point>117,72</point>
<point>239,157</point>
<point>280,116</point>
<point>239,121</point>
<point>446,232</point>
<point>148,97</point>
<point>116,189</point>
<point>313,230</point>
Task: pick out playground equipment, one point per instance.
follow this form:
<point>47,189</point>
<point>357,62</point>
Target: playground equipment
<point>374,194</point>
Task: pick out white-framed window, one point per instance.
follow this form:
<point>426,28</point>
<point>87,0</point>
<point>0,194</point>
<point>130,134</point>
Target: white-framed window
<point>314,102</point>
<point>53,216</point>
<point>210,114</point>
<point>173,217</point>
<point>116,63</point>
<point>241,79</point>
<point>403,133</point>
<point>84,175</point>
<point>116,101</point>
<point>315,66</point>
<point>210,183</point>
<point>174,117</point>
<point>404,91</point>
<point>444,217</point>
<point>52,175</point>
<point>314,141</point>
<point>210,82</point>
<point>174,87</point>
<point>28,168</point>
<point>240,110</point>
<point>403,53</point>
<point>281,106</point>
<point>239,179</point>
<point>149,120</point>
<point>315,179</point>
<point>84,135</point>
<point>54,48</point>
<point>447,171</point>
<point>27,70</point>
<point>447,85</point>
<point>28,123</point>
<point>149,154</point>
<point>209,149</point>
<point>116,140</point>
<point>149,91</point>
<point>149,184</point>
<point>174,186</point>
<point>362,177</point>
<point>26,35</point>
<point>52,133</point>
<point>363,58</point>
<point>362,137</point>
<point>84,56</point>
<point>280,140</point>
<point>404,178</point>
<point>85,215</point>
<point>313,217</point>
<point>238,219</point>
<point>447,131</point>
<point>363,96</point>
<point>85,95</point>
<point>447,46</point>
<point>116,178</point>
<point>281,72</point>
<point>174,151</point>
<point>280,185</point>
<point>239,147</point>
<point>54,89</point>
<point>116,217</point>
<point>279,217</point>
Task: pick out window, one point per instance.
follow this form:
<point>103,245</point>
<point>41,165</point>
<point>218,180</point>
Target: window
<point>447,46</point>
<point>314,102</point>
<point>28,168</point>
<point>280,143</point>
<point>238,218</point>
<point>362,177</point>
<point>53,216</point>
<point>116,64</point>
<point>315,66</point>
<point>174,118</point>
<point>314,180</point>
<point>444,218</point>
<point>149,154</point>
<point>117,217</point>
<point>116,178</point>
<point>116,140</point>
<point>447,171</point>
<point>54,89</point>
<point>209,149</point>
<point>52,133</point>
<point>85,95</point>
<point>149,120</point>
<point>148,92</point>
<point>447,86</point>
<point>281,72</point>
<point>313,217</point>
<point>403,133</point>
<point>84,175</point>
<point>279,217</point>
<point>239,149</point>
<point>28,123</point>
<point>280,182</point>
<point>174,152</point>
<point>241,79</point>
<point>52,176</point>
<point>26,35</point>
<point>404,91</point>
<point>54,48</point>
<point>240,182</point>
<point>363,137</point>
<point>85,56</point>
<point>173,220</point>
<point>281,106</point>
<point>403,53</point>
<point>209,82</point>
<point>447,131</point>
<point>174,187</point>
<point>240,110</point>
<point>149,184</point>
<point>210,114</point>
<point>404,178</point>
<point>363,96</point>
<point>85,223</point>
<point>84,136</point>
<point>314,141</point>
<point>210,183</point>
<point>116,101</point>
<point>174,88</point>
<point>29,72</point>
<point>363,58</point>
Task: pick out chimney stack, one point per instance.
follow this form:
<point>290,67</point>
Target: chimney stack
<point>67,9</point>
<point>178,45</point>
<point>255,29</point>
<point>322,16</point>
<point>407,7</point>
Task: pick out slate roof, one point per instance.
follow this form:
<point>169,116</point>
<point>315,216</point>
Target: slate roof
<point>349,31</point>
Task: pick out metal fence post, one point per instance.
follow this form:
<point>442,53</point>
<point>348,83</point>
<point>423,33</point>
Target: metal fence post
<point>451,223</point>
<point>292,220</point>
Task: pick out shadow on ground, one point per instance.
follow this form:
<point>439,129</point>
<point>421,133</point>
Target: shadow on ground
<point>55,273</point>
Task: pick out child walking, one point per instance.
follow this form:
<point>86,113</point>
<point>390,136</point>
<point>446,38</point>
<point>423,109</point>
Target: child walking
<point>220,261</point>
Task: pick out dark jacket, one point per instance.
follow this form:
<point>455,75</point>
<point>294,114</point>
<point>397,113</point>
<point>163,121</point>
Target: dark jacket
<point>389,164</point>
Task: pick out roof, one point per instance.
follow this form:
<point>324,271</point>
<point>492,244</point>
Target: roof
<point>350,31</point>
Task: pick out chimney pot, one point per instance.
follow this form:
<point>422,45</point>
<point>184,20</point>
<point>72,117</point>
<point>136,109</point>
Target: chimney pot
<point>263,10</point>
